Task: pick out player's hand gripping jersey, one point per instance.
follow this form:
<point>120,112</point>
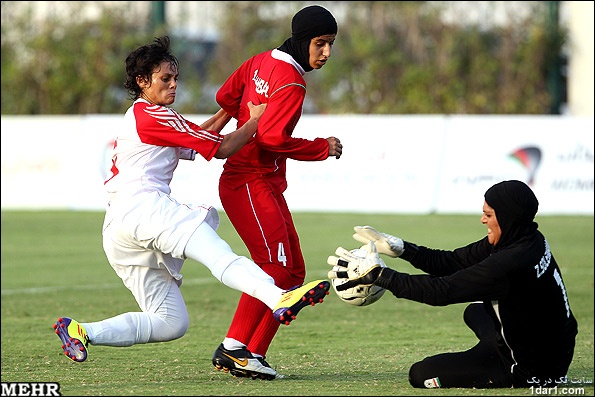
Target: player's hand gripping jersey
<point>273,77</point>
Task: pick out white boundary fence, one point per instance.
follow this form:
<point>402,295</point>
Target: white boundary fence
<point>391,164</point>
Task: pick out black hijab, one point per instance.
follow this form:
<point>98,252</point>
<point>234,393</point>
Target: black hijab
<point>515,205</point>
<point>309,22</point>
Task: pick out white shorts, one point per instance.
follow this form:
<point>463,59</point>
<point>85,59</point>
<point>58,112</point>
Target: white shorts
<point>150,230</point>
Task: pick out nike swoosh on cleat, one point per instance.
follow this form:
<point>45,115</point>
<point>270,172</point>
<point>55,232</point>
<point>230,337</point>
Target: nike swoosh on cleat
<point>242,363</point>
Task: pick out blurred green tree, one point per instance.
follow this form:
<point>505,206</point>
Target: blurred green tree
<point>390,57</point>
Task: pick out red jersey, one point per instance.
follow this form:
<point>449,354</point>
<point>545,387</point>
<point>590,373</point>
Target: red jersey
<point>274,78</point>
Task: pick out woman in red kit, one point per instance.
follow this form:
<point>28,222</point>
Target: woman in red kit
<point>253,181</point>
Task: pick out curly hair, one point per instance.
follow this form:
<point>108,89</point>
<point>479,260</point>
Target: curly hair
<point>143,61</point>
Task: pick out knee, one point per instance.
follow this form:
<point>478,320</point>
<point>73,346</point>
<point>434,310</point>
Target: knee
<point>170,328</point>
<point>473,312</point>
<point>479,321</point>
<point>181,324</point>
<point>179,329</point>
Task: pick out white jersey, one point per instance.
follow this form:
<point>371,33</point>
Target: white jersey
<point>147,149</point>
<point>143,225</point>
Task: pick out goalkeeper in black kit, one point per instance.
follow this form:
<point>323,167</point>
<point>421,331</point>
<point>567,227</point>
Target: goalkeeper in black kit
<point>519,308</point>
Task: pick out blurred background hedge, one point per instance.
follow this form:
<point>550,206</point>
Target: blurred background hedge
<point>403,57</point>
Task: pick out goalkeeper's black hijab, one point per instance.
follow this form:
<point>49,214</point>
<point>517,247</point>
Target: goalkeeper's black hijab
<point>515,205</point>
<point>307,23</point>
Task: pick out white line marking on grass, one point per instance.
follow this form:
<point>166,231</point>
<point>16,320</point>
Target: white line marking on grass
<point>43,290</point>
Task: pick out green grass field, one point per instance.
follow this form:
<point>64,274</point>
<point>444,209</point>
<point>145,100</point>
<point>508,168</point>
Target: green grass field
<point>53,265</point>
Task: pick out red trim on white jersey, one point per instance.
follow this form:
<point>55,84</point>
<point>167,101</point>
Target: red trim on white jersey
<point>151,142</point>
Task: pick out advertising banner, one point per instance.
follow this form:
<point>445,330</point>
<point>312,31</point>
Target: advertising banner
<point>390,164</point>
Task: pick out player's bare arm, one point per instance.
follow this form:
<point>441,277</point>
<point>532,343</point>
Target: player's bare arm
<point>234,141</point>
<point>217,122</point>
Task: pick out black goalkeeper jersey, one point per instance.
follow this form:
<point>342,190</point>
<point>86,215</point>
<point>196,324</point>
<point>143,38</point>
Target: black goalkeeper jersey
<point>521,286</point>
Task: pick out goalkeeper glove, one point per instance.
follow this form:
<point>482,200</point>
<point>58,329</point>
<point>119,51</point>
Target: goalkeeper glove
<point>360,267</point>
<point>385,243</point>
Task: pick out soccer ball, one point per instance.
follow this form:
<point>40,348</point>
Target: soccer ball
<point>360,295</point>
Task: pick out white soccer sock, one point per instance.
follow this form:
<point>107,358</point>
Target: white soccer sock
<point>168,322</point>
<point>244,275</point>
<point>237,272</point>
<point>232,344</point>
<point>129,329</point>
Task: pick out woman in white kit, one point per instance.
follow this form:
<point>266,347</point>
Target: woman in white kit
<point>147,234</point>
